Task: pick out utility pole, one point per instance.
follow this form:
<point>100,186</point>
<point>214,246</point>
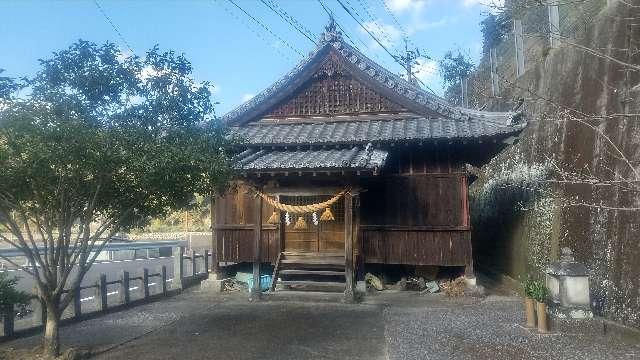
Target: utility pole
<point>410,59</point>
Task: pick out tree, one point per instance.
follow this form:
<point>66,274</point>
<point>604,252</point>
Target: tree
<point>495,28</point>
<point>453,69</point>
<point>104,143</point>
<point>7,86</point>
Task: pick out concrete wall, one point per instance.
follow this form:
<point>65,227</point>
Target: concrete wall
<point>520,221</point>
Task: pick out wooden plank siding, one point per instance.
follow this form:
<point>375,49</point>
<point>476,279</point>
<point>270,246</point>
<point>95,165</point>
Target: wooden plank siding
<point>416,213</point>
<point>448,248</point>
<point>234,228</point>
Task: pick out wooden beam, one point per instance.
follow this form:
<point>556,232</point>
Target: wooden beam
<point>255,292</point>
<point>215,259</point>
<point>348,248</point>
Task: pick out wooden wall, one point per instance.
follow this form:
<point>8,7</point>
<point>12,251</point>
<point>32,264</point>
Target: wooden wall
<point>418,213</point>
<point>234,227</point>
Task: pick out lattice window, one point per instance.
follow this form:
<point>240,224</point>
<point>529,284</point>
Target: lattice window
<point>333,91</point>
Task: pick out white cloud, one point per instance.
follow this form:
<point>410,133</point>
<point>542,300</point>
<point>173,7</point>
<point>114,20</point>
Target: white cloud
<point>247,97</point>
<point>426,69</point>
<point>399,6</point>
<point>148,72</point>
<point>387,34</point>
<point>490,4</point>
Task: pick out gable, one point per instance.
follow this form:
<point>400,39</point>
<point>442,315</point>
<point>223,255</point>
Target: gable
<point>337,79</point>
<point>333,90</point>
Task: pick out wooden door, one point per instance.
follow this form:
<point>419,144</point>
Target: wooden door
<point>326,236</point>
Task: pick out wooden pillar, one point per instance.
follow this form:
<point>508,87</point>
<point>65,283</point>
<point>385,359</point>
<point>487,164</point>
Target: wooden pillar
<point>205,254</point>
<point>282,226</point>
<point>348,248</point>
<point>255,290</point>
<point>215,259</point>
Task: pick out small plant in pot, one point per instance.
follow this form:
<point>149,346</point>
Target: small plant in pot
<point>529,302</point>
<point>539,293</point>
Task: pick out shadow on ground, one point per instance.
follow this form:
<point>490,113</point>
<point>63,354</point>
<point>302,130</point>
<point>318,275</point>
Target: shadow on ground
<point>388,325</point>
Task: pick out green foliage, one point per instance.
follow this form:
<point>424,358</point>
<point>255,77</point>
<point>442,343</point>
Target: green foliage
<point>7,86</point>
<point>528,286</point>
<point>535,289</point>
<point>8,293</point>
<point>129,138</point>
<point>494,28</point>
<point>453,67</point>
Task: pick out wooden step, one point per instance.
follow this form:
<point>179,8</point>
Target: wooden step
<point>311,283</point>
<point>314,261</point>
<point>312,272</point>
<point>313,254</point>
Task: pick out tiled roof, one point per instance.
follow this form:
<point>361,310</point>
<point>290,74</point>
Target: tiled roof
<point>420,100</point>
<point>355,158</point>
<point>399,128</point>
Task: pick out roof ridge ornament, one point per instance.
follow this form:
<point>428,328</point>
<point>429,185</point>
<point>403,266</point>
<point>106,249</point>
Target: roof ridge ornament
<point>331,32</point>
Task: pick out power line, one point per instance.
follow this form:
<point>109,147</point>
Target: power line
<point>332,15</point>
<point>256,33</point>
<point>372,22</point>
<point>396,58</point>
<point>367,30</point>
<point>266,28</point>
<point>405,34</point>
<point>115,28</point>
<point>290,20</point>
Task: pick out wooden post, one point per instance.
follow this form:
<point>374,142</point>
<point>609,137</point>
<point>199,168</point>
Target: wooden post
<point>178,263</point>
<point>163,277</point>
<point>205,254</point>
<point>145,283</point>
<point>215,259</point>
<point>282,226</point>
<point>194,267</point>
<point>8,320</point>
<point>77,304</point>
<point>124,287</point>
<point>348,248</point>
<point>255,292</point>
<point>102,292</point>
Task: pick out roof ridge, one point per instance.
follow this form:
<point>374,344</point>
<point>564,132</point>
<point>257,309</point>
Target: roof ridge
<point>380,76</point>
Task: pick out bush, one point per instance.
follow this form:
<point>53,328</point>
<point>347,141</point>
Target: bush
<point>9,295</point>
<point>535,289</point>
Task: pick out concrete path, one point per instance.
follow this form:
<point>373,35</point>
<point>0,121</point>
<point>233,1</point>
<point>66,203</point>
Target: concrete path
<point>403,325</point>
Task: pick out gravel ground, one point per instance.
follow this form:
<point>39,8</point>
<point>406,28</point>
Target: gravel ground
<point>488,329</point>
<point>389,325</point>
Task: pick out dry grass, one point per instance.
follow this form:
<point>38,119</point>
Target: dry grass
<point>454,288</point>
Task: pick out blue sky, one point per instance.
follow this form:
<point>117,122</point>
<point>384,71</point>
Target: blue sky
<point>225,46</point>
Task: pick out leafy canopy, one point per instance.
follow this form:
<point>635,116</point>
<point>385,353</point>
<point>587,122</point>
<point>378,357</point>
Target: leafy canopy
<point>494,28</point>
<point>9,295</point>
<point>110,137</point>
<point>453,67</point>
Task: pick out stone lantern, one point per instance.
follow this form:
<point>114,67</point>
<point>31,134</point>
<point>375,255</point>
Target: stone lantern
<point>568,284</point>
